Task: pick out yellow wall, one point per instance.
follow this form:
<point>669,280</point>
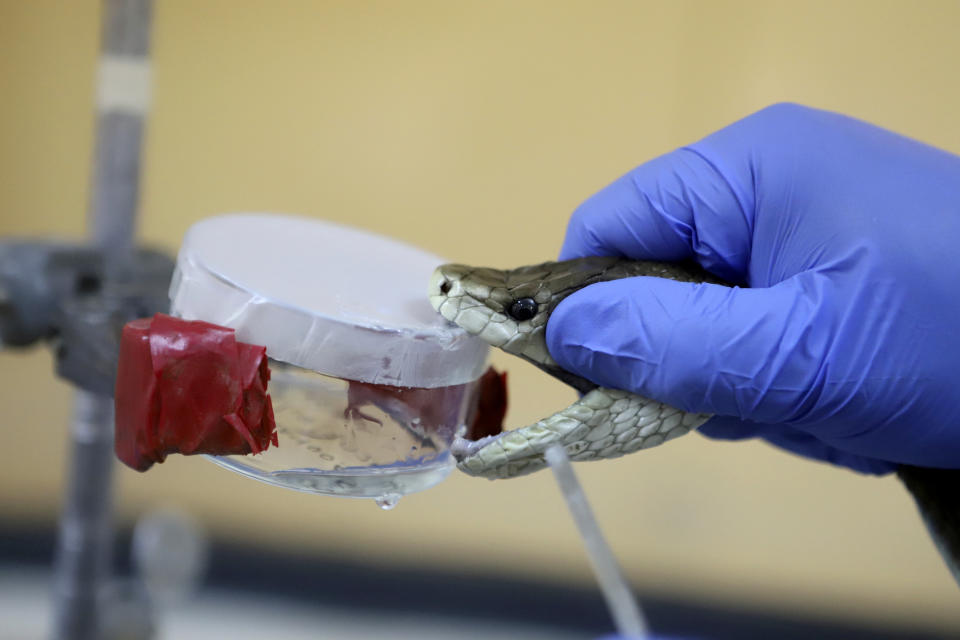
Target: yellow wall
<point>473,130</point>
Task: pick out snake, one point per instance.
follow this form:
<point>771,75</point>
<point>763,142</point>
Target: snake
<point>509,309</point>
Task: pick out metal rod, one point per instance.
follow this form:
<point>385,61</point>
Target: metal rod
<point>85,536</point>
<point>123,97</point>
<point>82,565</point>
<point>623,606</point>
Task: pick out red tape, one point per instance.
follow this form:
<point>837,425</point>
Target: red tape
<point>189,387</point>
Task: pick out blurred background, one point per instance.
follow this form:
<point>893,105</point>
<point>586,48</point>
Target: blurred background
<point>473,130</point>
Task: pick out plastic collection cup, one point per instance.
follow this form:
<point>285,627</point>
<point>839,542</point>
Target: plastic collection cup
<point>369,384</point>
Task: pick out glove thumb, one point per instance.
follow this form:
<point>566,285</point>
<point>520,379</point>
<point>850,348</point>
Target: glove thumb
<point>756,354</point>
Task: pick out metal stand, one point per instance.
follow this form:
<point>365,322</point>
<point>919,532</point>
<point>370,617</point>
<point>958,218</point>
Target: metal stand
<point>83,546</point>
<point>78,297</point>
<point>83,550</point>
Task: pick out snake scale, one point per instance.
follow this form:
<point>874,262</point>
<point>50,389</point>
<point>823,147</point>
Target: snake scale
<point>509,309</point>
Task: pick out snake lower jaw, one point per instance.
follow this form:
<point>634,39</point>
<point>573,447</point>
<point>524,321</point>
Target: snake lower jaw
<point>478,467</point>
<point>484,458</point>
<point>603,424</point>
<point>462,448</point>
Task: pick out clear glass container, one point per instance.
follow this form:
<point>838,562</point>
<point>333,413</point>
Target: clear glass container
<point>349,438</point>
<point>369,385</point>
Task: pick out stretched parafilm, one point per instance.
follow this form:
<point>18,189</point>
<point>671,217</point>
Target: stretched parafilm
<point>189,387</point>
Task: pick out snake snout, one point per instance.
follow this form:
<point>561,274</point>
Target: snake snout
<point>438,288</point>
<point>445,283</point>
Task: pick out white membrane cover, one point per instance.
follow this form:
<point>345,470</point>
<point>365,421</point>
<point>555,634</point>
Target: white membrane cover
<point>323,296</point>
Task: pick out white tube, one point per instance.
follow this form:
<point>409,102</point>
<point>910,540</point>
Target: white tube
<point>623,607</point>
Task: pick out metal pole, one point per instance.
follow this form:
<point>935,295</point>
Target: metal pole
<point>82,564</point>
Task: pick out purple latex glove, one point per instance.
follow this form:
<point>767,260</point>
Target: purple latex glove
<point>846,348</point>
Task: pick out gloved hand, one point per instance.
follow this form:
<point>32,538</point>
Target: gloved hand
<point>846,348</point>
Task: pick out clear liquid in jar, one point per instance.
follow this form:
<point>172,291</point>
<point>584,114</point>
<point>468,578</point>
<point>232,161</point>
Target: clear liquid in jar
<point>349,438</point>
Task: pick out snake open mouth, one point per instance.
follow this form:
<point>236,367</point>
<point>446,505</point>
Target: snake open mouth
<point>509,309</point>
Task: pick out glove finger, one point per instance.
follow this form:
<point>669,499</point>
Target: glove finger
<point>792,440</point>
<point>756,354</point>
<point>675,207</point>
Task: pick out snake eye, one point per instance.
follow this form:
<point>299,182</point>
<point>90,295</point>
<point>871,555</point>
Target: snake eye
<point>523,309</point>
<point>445,287</point>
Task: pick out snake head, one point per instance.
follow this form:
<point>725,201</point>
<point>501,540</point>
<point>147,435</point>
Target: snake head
<point>507,309</point>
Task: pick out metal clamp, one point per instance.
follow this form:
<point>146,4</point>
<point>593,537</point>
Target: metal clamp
<point>78,299</point>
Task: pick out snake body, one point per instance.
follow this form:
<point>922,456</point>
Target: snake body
<point>509,309</point>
